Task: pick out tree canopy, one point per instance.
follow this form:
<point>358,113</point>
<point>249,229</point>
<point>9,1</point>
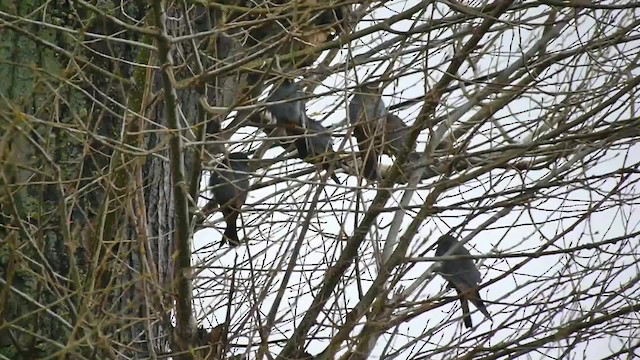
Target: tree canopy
<point>370,130</point>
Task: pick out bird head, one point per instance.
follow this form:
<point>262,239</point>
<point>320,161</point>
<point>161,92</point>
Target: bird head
<point>447,240</point>
<point>368,88</point>
<point>283,89</point>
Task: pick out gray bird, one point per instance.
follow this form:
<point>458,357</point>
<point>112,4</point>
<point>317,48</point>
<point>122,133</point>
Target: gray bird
<point>313,142</point>
<point>366,112</point>
<point>229,183</point>
<point>377,130</point>
<point>315,146</point>
<point>291,113</point>
<point>397,132</point>
<point>463,276</point>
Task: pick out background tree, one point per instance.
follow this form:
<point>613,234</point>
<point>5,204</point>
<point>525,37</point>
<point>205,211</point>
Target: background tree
<point>524,114</point>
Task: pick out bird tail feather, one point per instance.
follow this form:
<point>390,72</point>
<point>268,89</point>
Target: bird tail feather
<point>231,236</point>
<point>466,316</point>
<point>371,167</point>
<point>479,304</point>
<point>231,232</point>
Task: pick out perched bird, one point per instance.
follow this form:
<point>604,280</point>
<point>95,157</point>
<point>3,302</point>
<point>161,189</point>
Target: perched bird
<point>291,112</point>
<point>396,132</point>
<point>366,113</point>
<point>315,146</point>
<point>377,130</point>
<point>229,183</point>
<point>462,275</point>
<point>313,141</point>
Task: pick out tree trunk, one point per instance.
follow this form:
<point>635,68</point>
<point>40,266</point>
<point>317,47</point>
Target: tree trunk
<point>86,212</point>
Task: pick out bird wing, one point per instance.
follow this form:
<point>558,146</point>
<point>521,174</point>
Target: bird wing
<point>396,132</point>
<point>462,273</point>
